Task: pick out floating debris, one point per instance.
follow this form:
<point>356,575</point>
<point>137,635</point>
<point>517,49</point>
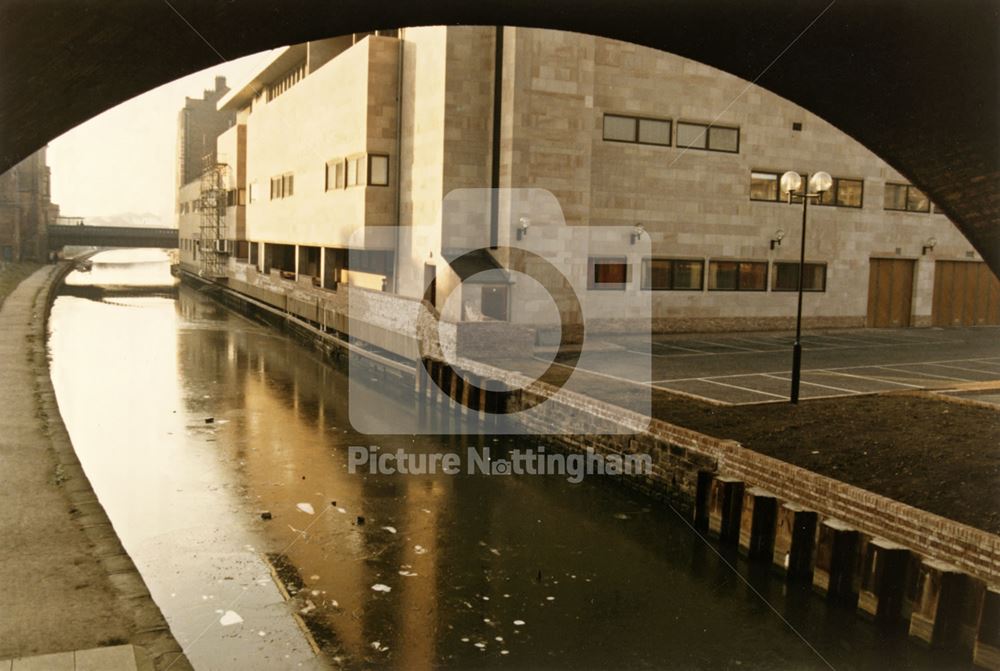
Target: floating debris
<point>342,511</point>
<point>379,587</point>
<point>262,633</point>
<point>495,551</point>
<point>519,623</point>
<point>391,530</point>
<point>229,618</point>
<point>480,645</point>
<point>419,549</point>
<point>314,577</point>
<point>550,598</point>
<point>360,520</point>
<point>408,574</point>
<point>621,516</point>
<point>310,607</point>
<point>377,645</point>
<point>210,420</point>
<point>265,515</point>
<point>505,652</point>
<point>306,508</point>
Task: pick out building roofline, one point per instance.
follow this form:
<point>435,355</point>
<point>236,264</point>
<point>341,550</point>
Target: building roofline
<point>280,63</point>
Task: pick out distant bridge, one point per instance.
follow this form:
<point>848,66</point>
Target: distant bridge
<point>111,236</point>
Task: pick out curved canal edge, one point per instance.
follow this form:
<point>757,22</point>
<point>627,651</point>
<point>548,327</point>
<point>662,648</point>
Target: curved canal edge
<point>67,582</point>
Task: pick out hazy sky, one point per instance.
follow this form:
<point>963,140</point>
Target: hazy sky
<point>124,160</point>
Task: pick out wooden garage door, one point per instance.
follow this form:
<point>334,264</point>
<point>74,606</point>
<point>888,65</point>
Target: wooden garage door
<point>890,293</point>
<point>966,293</point>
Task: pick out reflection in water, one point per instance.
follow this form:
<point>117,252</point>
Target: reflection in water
<point>191,421</point>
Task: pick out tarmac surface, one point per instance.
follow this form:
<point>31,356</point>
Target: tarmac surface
<point>752,368</point>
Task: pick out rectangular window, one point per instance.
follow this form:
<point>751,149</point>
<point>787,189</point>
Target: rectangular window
<point>691,136</point>
<point>378,170</point>
<point>619,128</point>
<point>338,177</point>
<point>654,131</point>
<point>656,274</point>
<point>703,136</point>
<point>905,197</point>
<point>254,195</point>
<point>359,169</point>
<point>786,277</point>
<point>608,273</point>
<point>895,197</point>
<point>843,193</point>
<point>916,201</point>
<point>764,186</point>
<point>737,276</point>
<point>687,275</point>
<point>724,138</point>
<point>849,192</point>
<point>352,172</point>
<point>671,274</point>
<point>288,185</point>
<point>241,197</point>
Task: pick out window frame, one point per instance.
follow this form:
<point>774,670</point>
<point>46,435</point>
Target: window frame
<point>636,129</point>
<point>594,261</point>
<point>777,186</point>
<point>648,260</point>
<point>707,133</point>
<point>368,170</point>
<point>835,194</point>
<point>774,276</point>
<point>738,287</point>
<point>906,199</point>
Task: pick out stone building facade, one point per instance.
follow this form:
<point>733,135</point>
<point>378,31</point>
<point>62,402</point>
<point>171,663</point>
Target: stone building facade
<point>348,154</point>
<point>26,210</point>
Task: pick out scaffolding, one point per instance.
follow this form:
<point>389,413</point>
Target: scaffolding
<point>214,243</point>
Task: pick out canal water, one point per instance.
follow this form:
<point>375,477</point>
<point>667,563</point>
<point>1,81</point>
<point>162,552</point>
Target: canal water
<point>191,421</point>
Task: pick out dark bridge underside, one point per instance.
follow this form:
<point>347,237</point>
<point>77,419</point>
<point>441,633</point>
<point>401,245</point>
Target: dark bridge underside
<point>916,81</point>
<point>111,236</point>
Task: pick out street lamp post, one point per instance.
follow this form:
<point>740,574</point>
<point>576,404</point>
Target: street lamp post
<point>791,183</point>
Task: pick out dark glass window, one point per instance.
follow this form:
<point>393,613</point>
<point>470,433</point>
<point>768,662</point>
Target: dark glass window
<point>671,274</point>
<point>895,196</point>
<point>844,193</point>
<point>737,276</point>
<point>608,273</point>
<point>905,197</point>
<point>786,277</point>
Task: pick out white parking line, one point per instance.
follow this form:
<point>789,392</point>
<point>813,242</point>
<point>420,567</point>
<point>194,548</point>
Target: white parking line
<point>719,344</point>
<point>873,379</point>
<point>736,386</point>
<point>897,369</point>
<point>817,384</point>
<point>971,370</point>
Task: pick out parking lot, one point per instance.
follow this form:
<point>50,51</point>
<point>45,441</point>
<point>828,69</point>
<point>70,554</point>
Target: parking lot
<point>751,368</point>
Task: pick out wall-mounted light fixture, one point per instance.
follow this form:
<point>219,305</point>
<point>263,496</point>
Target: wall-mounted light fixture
<point>929,245</point>
<point>779,235</point>
<point>637,232</point>
<point>522,227</point>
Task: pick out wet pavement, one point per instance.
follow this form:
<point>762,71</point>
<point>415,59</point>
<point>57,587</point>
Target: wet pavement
<point>192,421</point>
